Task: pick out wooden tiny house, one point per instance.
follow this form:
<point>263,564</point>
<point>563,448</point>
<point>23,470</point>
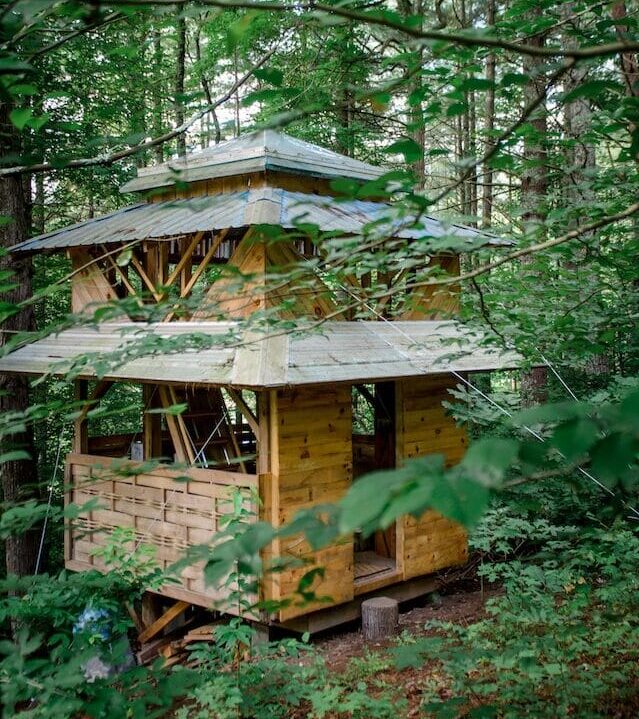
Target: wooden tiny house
<point>291,418</point>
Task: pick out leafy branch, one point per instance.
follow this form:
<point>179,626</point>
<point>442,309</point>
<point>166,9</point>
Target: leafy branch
<point>392,21</point>
<point>111,158</point>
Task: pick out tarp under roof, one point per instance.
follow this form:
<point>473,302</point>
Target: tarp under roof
<point>215,353</point>
<point>272,206</point>
<point>254,152</point>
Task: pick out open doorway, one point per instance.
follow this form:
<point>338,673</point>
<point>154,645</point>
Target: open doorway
<point>374,433</point>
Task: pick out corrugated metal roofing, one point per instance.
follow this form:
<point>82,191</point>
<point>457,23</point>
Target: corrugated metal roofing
<point>254,152</point>
<point>164,220</point>
<point>216,353</point>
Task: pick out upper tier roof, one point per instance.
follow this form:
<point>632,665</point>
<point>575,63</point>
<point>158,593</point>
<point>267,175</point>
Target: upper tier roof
<point>255,152</point>
<point>267,206</point>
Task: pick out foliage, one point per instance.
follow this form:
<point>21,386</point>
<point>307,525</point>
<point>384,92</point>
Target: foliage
<point>558,641</point>
<point>280,679</point>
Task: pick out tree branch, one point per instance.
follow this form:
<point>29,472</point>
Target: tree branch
<point>76,33</point>
<point>110,159</point>
<point>385,19</point>
<point>533,249</point>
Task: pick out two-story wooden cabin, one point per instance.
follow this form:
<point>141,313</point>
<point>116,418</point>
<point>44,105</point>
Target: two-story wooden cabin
<point>293,416</point>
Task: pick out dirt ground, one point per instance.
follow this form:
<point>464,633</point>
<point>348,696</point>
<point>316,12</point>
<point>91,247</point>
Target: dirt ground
<point>460,605</point>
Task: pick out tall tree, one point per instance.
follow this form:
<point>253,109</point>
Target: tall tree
<point>489,124</point>
<point>19,475</point>
<point>534,182</point>
<point>180,73</point>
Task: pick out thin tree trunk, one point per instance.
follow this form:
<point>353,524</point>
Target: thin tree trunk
<point>489,127</point>
<point>180,58</point>
<point>236,73</point>
<point>472,152</point>
<point>581,162</point>
<point>19,477</point>
<point>158,65</point>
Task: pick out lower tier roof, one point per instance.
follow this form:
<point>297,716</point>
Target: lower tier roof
<point>221,353</point>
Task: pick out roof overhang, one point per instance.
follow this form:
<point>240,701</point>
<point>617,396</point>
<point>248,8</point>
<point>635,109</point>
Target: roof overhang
<point>222,354</point>
<point>262,206</point>
<point>254,152</point>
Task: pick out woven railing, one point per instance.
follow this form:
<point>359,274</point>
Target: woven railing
<point>166,509</point>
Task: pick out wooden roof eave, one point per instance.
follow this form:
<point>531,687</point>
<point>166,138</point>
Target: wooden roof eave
<point>345,352</point>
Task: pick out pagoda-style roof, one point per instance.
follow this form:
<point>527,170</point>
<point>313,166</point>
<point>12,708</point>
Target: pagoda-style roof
<point>254,152</point>
<point>220,353</point>
<point>267,205</point>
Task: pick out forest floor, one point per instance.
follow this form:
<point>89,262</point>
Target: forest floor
<point>346,652</point>
<point>462,606</point>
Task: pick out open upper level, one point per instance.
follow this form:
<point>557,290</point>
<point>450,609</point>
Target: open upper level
<point>256,224</point>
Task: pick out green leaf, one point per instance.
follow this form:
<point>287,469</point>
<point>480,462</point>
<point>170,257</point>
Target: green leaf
<point>476,83</point>
<point>413,656</point>
<point>239,28</point>
<point>20,117</point>
<point>124,258</point>
<point>457,108</point>
<point>172,410</point>
<point>14,456</point>
<point>407,147</point>
<point>488,459</point>
<point>592,89</point>
<point>271,75</point>
<point>40,121</point>
<point>514,78</point>
<point>575,437</point>
<point>614,458</point>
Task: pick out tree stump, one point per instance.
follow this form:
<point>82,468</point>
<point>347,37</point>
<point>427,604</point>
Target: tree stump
<point>380,618</point>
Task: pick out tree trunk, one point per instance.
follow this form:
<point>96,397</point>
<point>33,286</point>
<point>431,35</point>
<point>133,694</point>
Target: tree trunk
<point>236,75</point>
<point>158,64</point>
<point>179,82</point>
<point>19,477</point>
<point>581,163</point>
<point>534,187</point>
<point>489,127</point>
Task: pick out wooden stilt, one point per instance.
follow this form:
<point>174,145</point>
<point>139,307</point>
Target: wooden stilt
<point>159,624</point>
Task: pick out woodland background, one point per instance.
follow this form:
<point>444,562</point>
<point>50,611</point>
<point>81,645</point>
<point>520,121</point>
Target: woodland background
<point>521,117</point>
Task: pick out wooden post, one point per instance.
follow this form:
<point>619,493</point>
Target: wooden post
<point>380,618</point>
<point>152,423</point>
<point>81,433</point>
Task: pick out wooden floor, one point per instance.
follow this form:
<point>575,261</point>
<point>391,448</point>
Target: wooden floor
<point>369,564</point>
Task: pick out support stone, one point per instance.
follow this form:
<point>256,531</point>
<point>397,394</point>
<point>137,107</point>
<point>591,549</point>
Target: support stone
<point>380,618</point>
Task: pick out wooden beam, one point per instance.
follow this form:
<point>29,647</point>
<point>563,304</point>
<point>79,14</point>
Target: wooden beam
<point>215,243</point>
<point>100,390</point>
<point>188,445</point>
<point>236,396</point>
<point>125,280</point>
<point>159,624</point>
<point>137,266</point>
<point>366,394</point>
<point>186,290</point>
<point>80,430</point>
<point>152,423</point>
<point>180,442</point>
<point>231,434</point>
<point>186,256</point>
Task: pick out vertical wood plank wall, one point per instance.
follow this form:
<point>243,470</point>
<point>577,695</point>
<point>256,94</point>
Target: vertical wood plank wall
<point>431,542</point>
<point>311,463</point>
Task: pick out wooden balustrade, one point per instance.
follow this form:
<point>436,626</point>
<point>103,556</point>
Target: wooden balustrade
<point>167,509</point>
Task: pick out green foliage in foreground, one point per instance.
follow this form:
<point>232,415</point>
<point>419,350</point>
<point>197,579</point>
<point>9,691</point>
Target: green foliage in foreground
<point>560,641</point>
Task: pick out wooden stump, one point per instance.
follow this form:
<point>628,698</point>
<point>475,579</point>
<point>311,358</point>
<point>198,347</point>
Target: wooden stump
<point>380,618</point>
